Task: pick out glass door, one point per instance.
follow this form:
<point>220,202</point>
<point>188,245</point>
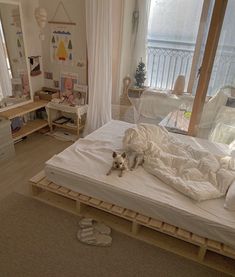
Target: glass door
<point>218,117</point>
<point>173,52</point>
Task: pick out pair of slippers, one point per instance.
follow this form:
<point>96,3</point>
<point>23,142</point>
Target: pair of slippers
<point>94,233</point>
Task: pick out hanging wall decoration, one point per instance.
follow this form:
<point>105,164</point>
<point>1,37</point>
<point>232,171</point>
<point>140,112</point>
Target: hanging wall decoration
<point>61,42</point>
<point>34,65</point>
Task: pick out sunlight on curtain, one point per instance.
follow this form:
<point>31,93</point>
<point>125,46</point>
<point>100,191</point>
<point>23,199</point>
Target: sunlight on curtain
<point>140,19</point>
<point>99,49</point>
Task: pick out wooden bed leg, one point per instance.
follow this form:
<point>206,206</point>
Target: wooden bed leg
<point>78,207</point>
<point>201,253</point>
<point>34,190</point>
<point>135,228</point>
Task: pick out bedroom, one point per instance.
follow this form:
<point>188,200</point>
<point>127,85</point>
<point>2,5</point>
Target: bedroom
<point>76,75</point>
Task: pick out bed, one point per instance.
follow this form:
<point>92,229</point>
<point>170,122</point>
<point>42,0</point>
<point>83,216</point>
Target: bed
<point>82,168</point>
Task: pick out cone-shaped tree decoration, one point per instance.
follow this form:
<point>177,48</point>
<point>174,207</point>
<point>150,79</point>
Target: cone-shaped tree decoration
<point>70,45</point>
<point>53,39</point>
<point>140,74</point>
<point>18,43</point>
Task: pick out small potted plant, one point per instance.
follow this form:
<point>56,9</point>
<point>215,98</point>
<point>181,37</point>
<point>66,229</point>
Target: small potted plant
<point>140,74</point>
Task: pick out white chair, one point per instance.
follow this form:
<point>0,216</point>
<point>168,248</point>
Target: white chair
<point>210,110</point>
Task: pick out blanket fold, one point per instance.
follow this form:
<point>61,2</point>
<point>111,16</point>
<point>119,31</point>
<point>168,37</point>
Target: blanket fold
<point>198,174</point>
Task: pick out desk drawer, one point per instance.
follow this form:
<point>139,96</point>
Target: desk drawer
<point>5,131</point>
<point>7,151</point>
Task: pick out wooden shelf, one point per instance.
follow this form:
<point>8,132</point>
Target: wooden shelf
<point>24,109</point>
<point>68,127</point>
<point>29,127</point>
<point>65,126</point>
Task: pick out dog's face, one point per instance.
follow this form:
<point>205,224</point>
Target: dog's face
<point>119,160</point>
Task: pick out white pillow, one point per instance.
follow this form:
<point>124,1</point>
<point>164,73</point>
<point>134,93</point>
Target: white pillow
<point>230,198</point>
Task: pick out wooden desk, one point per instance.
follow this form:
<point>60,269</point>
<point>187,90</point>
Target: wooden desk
<point>177,122</point>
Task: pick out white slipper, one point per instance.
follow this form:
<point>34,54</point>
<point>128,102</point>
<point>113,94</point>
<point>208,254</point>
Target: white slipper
<point>94,238</point>
<point>100,227</point>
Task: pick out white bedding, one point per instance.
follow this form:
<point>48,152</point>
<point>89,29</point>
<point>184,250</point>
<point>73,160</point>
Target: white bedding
<point>82,167</point>
<point>198,174</point>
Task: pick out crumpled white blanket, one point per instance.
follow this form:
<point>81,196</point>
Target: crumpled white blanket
<point>198,174</point>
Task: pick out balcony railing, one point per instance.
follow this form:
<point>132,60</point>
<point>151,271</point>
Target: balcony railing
<point>168,59</point>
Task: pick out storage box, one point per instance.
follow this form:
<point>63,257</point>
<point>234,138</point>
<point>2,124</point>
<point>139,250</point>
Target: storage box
<point>47,94</point>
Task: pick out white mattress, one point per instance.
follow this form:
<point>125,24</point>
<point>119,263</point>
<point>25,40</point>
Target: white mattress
<point>82,167</point>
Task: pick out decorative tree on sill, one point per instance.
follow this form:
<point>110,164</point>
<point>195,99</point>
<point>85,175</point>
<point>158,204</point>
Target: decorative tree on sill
<point>140,74</point>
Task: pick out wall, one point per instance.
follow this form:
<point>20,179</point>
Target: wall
<point>76,11</point>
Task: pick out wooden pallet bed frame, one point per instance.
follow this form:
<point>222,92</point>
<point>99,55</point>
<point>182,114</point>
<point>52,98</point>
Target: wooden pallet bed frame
<point>171,238</point>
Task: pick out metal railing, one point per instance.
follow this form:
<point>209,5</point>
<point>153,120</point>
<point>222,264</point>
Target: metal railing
<point>168,59</point>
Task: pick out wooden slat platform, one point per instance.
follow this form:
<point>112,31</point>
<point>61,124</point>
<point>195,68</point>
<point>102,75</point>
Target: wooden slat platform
<point>179,241</point>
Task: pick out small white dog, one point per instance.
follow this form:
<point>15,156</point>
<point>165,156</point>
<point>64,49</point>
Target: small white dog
<point>120,162</point>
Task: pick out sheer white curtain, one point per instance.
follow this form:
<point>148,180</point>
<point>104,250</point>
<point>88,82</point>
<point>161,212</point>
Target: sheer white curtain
<point>140,19</point>
<point>5,81</point>
<point>99,47</point>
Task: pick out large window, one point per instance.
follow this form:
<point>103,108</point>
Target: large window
<point>172,35</point>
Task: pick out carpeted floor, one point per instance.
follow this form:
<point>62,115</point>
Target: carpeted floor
<point>39,240</point>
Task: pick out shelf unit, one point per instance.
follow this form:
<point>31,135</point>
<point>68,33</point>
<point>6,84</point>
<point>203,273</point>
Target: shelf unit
<point>32,125</point>
<point>77,113</point>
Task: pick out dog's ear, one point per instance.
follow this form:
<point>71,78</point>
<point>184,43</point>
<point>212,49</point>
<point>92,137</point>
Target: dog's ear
<point>114,154</point>
<point>124,155</point>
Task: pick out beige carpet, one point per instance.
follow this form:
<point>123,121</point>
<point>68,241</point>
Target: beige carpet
<point>39,240</point>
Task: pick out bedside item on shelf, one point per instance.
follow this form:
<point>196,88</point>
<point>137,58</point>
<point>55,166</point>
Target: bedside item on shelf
<point>67,83</point>
<point>80,94</point>
<point>16,124</point>
<point>6,142</point>
<point>47,93</point>
<point>62,120</point>
<point>179,85</point>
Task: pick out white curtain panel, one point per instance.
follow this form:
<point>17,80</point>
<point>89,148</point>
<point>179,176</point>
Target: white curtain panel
<point>99,47</point>
<point>140,33</point>
<point>5,80</point>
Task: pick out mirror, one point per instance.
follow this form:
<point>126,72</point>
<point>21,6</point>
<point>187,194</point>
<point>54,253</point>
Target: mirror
<point>14,80</point>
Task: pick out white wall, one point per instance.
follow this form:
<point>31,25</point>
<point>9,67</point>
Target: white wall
<point>76,11</point>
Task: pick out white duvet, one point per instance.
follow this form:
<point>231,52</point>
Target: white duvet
<point>195,173</point>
